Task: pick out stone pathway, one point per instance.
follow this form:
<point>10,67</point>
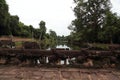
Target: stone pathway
<point>35,73</point>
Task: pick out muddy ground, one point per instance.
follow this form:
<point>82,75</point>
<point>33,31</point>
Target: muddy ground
<point>37,73</point>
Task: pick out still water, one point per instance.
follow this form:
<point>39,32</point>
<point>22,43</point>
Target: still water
<point>70,47</point>
<point>62,46</point>
<point>59,46</point>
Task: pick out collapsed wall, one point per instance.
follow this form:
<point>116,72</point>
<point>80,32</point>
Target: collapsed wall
<point>31,54</point>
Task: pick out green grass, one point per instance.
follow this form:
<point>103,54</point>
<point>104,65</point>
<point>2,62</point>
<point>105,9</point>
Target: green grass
<point>102,46</point>
<point>18,44</point>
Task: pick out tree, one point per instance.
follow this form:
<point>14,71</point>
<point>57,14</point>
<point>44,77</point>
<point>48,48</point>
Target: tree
<point>53,34</point>
<point>42,30</point>
<point>90,16</point>
<point>31,30</point>
<point>14,25</point>
<point>36,33</point>
<point>4,18</point>
<point>109,32</point>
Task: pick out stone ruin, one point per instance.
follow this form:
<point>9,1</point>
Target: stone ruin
<point>7,44</point>
<point>30,45</point>
<point>114,47</point>
<point>31,54</point>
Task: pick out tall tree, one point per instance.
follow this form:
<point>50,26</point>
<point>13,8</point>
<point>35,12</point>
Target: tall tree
<point>111,28</point>
<point>4,18</point>
<point>14,25</point>
<point>53,34</point>
<point>31,31</point>
<point>42,30</point>
<point>90,16</point>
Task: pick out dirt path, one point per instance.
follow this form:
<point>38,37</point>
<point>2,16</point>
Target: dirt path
<point>35,73</point>
<point>15,39</point>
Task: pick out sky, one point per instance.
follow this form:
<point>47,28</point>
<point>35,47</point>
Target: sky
<point>116,6</point>
<point>57,14</point>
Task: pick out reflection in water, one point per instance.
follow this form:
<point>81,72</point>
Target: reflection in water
<point>82,60</point>
<point>62,46</point>
<point>59,46</point>
<point>62,62</point>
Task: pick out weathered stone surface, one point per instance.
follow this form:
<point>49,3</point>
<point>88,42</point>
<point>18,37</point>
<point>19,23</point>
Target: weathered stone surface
<point>37,73</point>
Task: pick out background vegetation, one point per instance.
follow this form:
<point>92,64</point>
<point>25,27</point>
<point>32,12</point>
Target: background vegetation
<point>94,23</point>
<point>10,25</point>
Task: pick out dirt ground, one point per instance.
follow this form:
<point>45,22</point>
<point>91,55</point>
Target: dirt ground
<point>15,39</point>
<point>37,73</point>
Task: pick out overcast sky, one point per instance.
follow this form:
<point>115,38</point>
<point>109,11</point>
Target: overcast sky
<point>57,14</point>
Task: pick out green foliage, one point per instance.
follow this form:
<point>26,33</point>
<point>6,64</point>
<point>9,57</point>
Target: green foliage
<point>89,18</point>
<point>42,30</point>
<point>51,37</point>
<point>10,25</point>
<point>53,34</point>
<point>4,18</point>
<point>109,32</point>
<point>14,25</point>
<point>94,22</point>
<point>36,33</point>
